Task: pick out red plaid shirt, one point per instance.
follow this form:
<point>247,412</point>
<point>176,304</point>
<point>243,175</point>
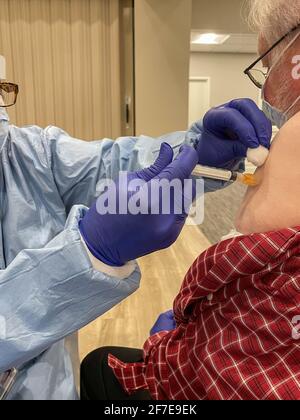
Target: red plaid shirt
<point>235,318</point>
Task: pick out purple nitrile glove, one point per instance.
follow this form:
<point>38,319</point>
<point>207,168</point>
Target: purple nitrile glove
<point>165,322</point>
<point>118,238</point>
<point>230,130</point>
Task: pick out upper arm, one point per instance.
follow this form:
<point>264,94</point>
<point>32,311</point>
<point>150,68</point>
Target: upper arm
<point>274,203</point>
<point>78,166</point>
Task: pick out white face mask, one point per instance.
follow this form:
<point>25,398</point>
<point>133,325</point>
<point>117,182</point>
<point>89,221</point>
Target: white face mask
<point>277,117</point>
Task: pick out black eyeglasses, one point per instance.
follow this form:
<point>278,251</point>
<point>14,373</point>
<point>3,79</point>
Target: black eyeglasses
<point>8,94</point>
<point>257,76</point>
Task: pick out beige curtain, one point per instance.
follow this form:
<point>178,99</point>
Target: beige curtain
<point>64,54</point>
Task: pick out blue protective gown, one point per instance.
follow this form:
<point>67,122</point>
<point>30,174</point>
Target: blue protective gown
<point>48,287</point>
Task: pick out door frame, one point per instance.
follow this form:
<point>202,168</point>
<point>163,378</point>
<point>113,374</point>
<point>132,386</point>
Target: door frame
<point>127,67</point>
<point>202,79</point>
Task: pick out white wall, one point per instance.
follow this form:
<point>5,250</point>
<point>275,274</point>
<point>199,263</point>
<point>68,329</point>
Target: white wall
<point>226,72</point>
<point>162,51</point>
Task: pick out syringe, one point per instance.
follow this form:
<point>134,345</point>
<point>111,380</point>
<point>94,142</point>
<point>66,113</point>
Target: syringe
<point>257,157</point>
<point>224,175</point>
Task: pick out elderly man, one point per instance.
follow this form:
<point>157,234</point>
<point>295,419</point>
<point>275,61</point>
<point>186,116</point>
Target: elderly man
<point>232,332</point>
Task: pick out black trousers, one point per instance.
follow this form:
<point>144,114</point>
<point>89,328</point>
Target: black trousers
<point>98,381</point>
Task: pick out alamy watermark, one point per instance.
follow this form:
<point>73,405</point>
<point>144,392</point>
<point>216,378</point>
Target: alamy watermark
<point>296,68</point>
<point>156,197</point>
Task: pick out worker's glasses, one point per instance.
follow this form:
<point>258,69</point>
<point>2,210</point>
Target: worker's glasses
<point>8,94</point>
<point>258,76</point>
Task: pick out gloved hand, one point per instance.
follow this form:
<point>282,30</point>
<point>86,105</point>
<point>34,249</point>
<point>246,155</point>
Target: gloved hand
<point>118,238</point>
<point>165,322</point>
<point>230,130</point>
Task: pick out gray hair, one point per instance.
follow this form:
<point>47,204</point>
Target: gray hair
<point>273,18</point>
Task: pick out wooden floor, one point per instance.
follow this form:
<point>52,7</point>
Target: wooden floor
<point>129,323</point>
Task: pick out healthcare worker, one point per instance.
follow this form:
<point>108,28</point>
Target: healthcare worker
<point>52,282</point>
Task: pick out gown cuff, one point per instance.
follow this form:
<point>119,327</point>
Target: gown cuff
<point>118,272</point>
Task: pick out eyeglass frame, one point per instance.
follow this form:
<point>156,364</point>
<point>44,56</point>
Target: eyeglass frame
<point>247,72</point>
<point>15,90</point>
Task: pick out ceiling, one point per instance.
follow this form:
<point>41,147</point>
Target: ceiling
<point>237,43</point>
<point>223,17</point>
